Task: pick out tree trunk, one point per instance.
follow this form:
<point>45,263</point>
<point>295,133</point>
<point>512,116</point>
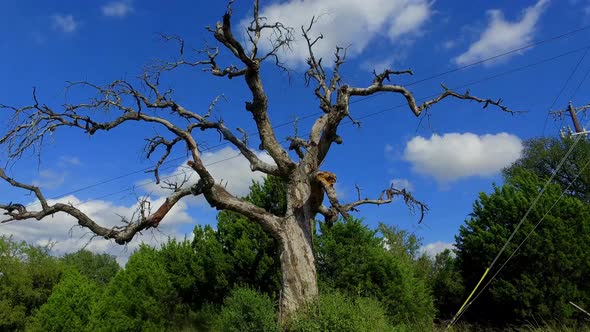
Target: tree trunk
<point>299,275</point>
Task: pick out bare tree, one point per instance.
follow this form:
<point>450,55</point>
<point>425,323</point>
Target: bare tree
<point>307,183</point>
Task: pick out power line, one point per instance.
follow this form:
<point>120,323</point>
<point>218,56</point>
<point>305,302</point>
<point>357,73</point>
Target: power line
<point>526,238</point>
<point>468,301</point>
<point>563,88</point>
<point>360,118</point>
<point>511,71</point>
<point>547,40</point>
<point>580,84</point>
<point>516,50</point>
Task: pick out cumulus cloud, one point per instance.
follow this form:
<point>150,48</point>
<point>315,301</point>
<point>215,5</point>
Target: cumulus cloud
<point>501,35</point>
<point>454,156</point>
<point>64,23</point>
<point>117,9</point>
<point>344,23</point>
<point>226,165</point>
<point>62,229</point>
<point>435,248</point>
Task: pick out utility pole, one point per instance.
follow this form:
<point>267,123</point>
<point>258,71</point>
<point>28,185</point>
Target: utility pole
<point>573,113</point>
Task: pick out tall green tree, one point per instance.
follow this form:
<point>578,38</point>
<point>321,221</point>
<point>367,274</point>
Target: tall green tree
<point>542,155</point>
<point>100,268</point>
<point>239,252</point>
<point>69,306</point>
<point>447,284</point>
<point>550,269</point>
<point>355,259</point>
<point>141,297</point>
<point>27,276</point>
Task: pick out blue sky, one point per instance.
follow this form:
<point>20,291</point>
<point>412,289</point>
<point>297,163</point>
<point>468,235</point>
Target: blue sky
<point>446,160</point>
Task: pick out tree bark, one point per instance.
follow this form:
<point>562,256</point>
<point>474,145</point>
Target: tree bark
<point>299,275</point>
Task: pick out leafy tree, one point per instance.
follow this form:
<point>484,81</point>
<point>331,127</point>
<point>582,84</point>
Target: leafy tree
<point>550,269</point>
<point>69,306</point>
<point>156,105</point>
<point>447,284</point>
<point>354,259</point>
<point>181,262</point>
<point>141,297</point>
<point>246,310</point>
<point>239,252</point>
<point>100,268</point>
<point>542,155</point>
<point>27,276</point>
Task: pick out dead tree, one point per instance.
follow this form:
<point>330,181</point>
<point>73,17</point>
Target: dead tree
<point>307,183</point>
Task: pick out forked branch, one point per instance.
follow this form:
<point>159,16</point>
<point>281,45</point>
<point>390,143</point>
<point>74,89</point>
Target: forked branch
<point>327,180</point>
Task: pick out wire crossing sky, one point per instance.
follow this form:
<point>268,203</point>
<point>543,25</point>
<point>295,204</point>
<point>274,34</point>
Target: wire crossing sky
<point>446,157</point>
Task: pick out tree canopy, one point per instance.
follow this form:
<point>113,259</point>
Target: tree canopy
<point>548,271</point>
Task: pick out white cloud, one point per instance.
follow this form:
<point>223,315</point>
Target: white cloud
<point>226,165</point>
<point>64,23</point>
<point>345,22</point>
<point>501,35</point>
<point>49,179</point>
<point>62,229</point>
<point>453,156</point>
<point>432,249</point>
<point>402,184</point>
<point>117,9</point>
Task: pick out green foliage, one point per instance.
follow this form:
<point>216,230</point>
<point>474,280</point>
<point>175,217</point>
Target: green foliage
<point>550,269</point>
<point>68,308</point>
<point>140,297</point>
<point>542,155</point>
<point>239,252</point>
<point>100,268</point>
<point>354,259</point>
<point>246,310</point>
<point>447,284</point>
<point>181,265</point>
<point>338,312</point>
<point>27,279</point>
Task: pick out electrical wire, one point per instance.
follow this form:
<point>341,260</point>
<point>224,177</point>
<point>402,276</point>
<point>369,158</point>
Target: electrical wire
<point>511,71</point>
<point>573,71</point>
<point>467,302</point>
<point>441,74</point>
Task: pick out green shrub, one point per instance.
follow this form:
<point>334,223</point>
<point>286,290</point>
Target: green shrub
<point>338,312</point>
<point>68,308</point>
<point>354,260</point>
<point>246,310</point>
<point>139,298</point>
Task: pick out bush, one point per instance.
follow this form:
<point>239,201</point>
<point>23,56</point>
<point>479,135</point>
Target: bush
<point>246,310</point>
<point>100,268</point>
<point>68,308</point>
<point>338,312</point>
<point>353,259</point>
<point>141,297</point>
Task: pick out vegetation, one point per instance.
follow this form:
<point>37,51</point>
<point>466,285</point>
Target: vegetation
<point>28,275</point>
<point>228,278</point>
<point>238,53</point>
<point>338,312</point>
